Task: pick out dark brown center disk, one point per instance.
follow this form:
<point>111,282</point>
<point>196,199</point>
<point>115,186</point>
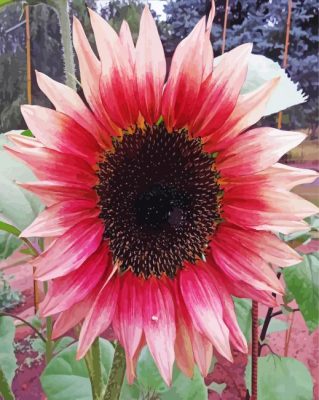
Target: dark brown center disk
<point>158,196</point>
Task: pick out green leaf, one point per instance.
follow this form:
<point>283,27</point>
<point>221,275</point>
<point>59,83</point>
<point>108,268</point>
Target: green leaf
<point>302,281</point>
<point>217,387</point>
<point>275,325</point>
<point>5,389</point>
<point>18,208</point>
<point>27,133</point>
<point>243,313</point>
<point>149,382</point>
<point>7,357</point>
<point>65,378</point>
<point>281,378</point>
<point>62,343</point>
<point>262,69</point>
<point>38,345</point>
<point>6,2</point>
<point>313,221</point>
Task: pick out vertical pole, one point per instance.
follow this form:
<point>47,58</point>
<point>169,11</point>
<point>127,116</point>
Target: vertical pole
<point>29,100</point>
<point>28,51</point>
<point>285,59</point>
<point>254,351</point>
<point>225,26</point>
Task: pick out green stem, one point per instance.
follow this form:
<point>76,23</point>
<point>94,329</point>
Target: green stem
<point>5,389</point>
<point>115,381</point>
<point>62,9</point>
<point>96,364</point>
<point>49,345</point>
<point>93,363</point>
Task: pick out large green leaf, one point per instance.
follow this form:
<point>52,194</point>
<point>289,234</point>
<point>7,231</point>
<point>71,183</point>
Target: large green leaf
<point>281,378</point>
<point>302,281</point>
<point>17,206</point>
<point>65,378</point>
<point>243,313</point>
<point>262,69</point>
<point>149,382</point>
<point>8,362</point>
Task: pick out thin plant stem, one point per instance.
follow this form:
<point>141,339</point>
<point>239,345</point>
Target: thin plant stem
<point>225,26</point>
<point>254,351</point>
<point>288,334</point>
<point>115,381</point>
<point>93,364</point>
<point>49,325</point>
<point>5,314</point>
<point>280,312</point>
<point>264,329</point>
<point>62,9</point>
<point>285,59</point>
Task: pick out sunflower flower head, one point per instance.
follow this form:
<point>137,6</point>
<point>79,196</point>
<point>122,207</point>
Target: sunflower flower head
<point>161,199</point>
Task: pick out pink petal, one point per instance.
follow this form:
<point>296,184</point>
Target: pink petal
<point>205,308</point>
<point>59,132</point>
<point>56,220</point>
<point>236,336</point>
<point>100,316</point>
<point>183,349</point>
<point>127,42</point>
<point>266,208</point>
<point>67,101</point>
<point>23,141</point>
<point>52,165</point>
<point>218,97</point>
<point>150,68</point>
<point>117,84</point>
<point>159,325</point>
<point>69,251</point>
<point>52,192</point>
<point>264,244</point>
<point>68,290</point>
<point>90,71</point>
<point>241,264</point>
<point>260,148</point>
<point>203,351</point>
<point>244,290</point>
<point>248,111</point>
<point>75,314</point>
<point>131,362</point>
<point>129,314</point>
<point>278,175</point>
<point>185,79</point>
<point>287,176</point>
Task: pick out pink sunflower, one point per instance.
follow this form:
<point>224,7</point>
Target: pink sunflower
<point>161,200</point>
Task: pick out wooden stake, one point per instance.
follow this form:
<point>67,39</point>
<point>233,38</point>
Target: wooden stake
<point>285,59</point>
<point>225,26</point>
<point>254,351</point>
<point>36,292</point>
<point>28,52</point>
